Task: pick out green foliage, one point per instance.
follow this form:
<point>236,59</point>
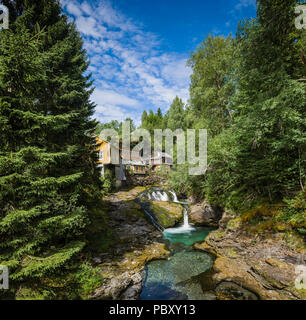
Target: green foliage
<point>294,213</point>
<point>152,121</point>
<point>108,181</point>
<point>87,279</point>
<point>211,84</point>
<point>175,116</point>
<point>49,182</point>
<point>245,92</point>
<point>184,184</point>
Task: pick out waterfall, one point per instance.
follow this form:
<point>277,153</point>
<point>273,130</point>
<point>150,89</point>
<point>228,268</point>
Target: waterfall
<point>156,194</point>
<point>186,220</point>
<point>183,228</point>
<point>160,196</point>
<point>174,196</point>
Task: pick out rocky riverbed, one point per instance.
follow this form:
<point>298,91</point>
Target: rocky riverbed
<point>264,265</point>
<point>246,266</point>
<point>122,266</point>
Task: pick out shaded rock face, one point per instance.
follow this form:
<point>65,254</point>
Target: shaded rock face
<point>205,214</point>
<point>231,291</point>
<point>145,180</point>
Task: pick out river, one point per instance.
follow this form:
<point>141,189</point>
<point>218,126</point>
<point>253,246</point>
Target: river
<point>182,276</point>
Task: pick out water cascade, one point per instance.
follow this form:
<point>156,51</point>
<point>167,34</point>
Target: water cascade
<point>185,227</point>
<point>174,196</point>
<point>173,278</point>
<point>159,196</point>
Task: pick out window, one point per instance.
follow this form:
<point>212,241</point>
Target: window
<point>100,155</point>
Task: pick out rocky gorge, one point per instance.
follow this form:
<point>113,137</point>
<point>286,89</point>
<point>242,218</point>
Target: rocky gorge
<point>243,266</point>
<point>264,264</point>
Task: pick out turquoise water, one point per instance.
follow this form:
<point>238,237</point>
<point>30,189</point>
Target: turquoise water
<point>187,237</point>
<point>179,277</point>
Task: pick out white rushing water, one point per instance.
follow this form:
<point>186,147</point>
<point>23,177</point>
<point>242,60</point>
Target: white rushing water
<point>160,196</point>
<point>185,227</point>
<point>174,196</point>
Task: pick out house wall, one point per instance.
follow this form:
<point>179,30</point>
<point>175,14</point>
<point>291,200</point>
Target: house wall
<point>104,146</point>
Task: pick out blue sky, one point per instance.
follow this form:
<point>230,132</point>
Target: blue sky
<point>138,48</point>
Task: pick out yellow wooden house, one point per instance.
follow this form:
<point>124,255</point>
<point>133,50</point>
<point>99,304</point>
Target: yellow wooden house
<point>104,154</point>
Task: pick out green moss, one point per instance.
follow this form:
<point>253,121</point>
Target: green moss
<point>295,240</point>
<point>87,279</point>
<point>28,293</point>
<point>218,234</point>
<point>133,210</point>
<point>232,254</point>
<point>298,292</point>
<point>234,224</point>
<point>77,283</point>
<point>167,214</point>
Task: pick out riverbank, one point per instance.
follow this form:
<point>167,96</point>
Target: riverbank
<point>265,264</point>
<point>135,244</point>
<point>245,265</point>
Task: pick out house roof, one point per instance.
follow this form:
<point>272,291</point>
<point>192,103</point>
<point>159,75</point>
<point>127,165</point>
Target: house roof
<point>133,158</point>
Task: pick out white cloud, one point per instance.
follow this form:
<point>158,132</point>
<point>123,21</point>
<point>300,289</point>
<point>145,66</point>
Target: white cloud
<point>176,70</point>
<point>107,113</point>
<point>113,98</point>
<point>74,9</point>
<point>245,3</point>
<point>130,70</point>
<point>86,8</point>
<point>89,27</point>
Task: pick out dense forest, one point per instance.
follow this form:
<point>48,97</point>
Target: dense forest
<point>246,90</point>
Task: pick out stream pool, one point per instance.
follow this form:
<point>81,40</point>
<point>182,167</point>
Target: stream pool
<point>181,277</point>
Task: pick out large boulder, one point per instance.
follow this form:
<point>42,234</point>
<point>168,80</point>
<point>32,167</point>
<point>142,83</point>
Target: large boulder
<point>204,214</point>
<point>167,213</point>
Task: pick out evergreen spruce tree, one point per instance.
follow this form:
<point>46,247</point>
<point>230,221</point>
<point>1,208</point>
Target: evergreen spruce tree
<point>48,178</point>
<point>143,117</point>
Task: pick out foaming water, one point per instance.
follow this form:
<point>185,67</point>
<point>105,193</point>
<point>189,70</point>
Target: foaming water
<point>185,227</point>
<point>174,196</point>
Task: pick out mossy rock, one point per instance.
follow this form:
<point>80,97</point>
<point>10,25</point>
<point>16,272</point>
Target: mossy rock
<point>133,210</point>
<point>167,214</point>
<point>234,224</point>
